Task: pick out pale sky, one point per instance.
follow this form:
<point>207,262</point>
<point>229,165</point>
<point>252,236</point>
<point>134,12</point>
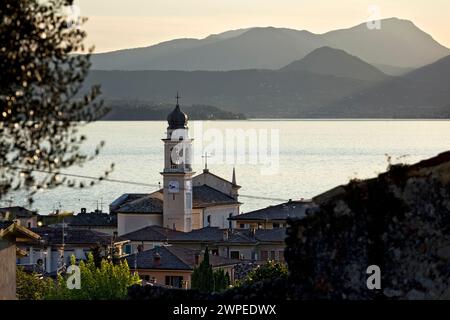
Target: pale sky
<point>118,24</point>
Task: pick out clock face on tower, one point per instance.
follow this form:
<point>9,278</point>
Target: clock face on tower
<point>174,187</point>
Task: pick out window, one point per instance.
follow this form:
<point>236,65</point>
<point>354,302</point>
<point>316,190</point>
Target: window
<point>188,200</point>
<point>264,255</point>
<point>281,256</point>
<point>174,281</point>
<point>230,226</point>
<point>276,225</point>
<point>188,224</point>
<point>234,254</point>
<point>272,255</point>
<point>127,249</point>
<point>242,226</point>
<point>208,220</point>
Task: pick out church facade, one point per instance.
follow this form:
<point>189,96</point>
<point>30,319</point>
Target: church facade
<point>186,201</point>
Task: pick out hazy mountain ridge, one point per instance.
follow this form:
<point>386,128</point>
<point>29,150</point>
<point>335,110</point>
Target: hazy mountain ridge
<point>330,61</point>
<point>423,93</point>
<point>399,43</point>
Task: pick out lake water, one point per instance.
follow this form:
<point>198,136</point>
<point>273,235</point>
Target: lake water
<point>314,156</point>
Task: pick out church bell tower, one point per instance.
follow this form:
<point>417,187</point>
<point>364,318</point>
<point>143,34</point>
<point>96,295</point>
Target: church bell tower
<point>177,173</point>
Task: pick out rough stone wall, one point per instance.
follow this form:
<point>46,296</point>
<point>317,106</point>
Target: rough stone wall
<point>399,221</point>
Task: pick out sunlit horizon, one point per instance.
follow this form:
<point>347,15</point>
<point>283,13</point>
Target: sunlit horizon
<point>113,26</point>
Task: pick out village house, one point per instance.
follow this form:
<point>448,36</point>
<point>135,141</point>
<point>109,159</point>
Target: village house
<point>148,238</point>
<point>12,235</point>
<point>249,245</point>
<point>97,221</point>
<point>58,244</point>
<point>23,216</point>
<point>173,266</point>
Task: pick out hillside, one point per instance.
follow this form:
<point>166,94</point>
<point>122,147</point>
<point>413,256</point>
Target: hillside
<point>132,110</point>
<point>425,91</point>
<point>329,61</point>
<point>255,93</point>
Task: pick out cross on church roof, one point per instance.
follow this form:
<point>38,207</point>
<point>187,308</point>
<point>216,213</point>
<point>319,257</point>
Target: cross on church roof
<point>206,160</point>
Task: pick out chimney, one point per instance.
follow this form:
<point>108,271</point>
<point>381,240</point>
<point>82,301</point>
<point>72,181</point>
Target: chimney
<point>156,259</point>
<point>83,210</point>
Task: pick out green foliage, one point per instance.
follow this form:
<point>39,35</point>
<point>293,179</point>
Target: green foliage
<point>41,103</point>
<point>269,271</point>
<point>108,282</point>
<point>32,286</point>
<point>203,276</point>
<point>221,280</point>
<point>205,279</point>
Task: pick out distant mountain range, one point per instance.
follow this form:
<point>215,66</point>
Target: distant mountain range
<point>287,73</point>
<point>398,45</point>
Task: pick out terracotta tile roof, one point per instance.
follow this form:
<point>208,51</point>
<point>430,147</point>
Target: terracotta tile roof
<point>152,233</point>
<point>216,236</point>
<point>205,196</point>
<point>292,209</point>
<point>144,204</point>
<point>94,219</point>
<point>173,258</point>
<point>53,236</point>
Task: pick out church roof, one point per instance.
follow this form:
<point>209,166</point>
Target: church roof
<point>144,204</point>
<point>205,196</point>
<point>125,198</point>
<point>177,119</point>
<point>152,233</point>
<point>291,209</point>
<point>206,171</point>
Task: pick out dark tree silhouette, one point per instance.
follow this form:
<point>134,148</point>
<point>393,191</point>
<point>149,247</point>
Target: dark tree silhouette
<point>41,107</point>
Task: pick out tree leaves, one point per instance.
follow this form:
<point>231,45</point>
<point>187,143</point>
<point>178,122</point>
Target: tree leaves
<point>41,106</point>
